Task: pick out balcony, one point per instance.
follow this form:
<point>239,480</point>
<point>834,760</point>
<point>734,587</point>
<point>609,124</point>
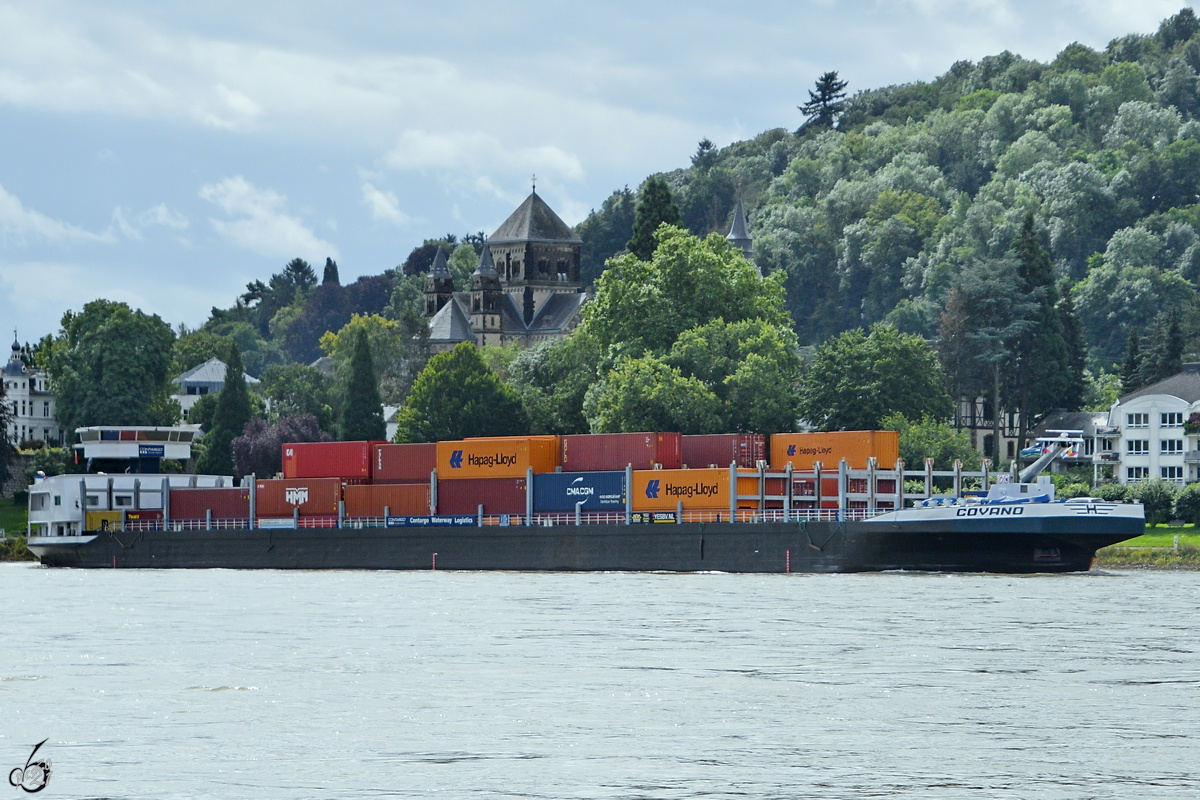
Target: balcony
<point>1191,457</point>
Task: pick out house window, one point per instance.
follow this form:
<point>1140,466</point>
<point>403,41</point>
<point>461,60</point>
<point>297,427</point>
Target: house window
<point>1137,447</point>
<point>121,500</point>
<point>1172,420</point>
<point>1137,473</point>
<point>93,500</point>
<point>1170,445</point>
<point>1172,473</point>
<point>1137,420</point>
<point>58,499</point>
<point>46,409</point>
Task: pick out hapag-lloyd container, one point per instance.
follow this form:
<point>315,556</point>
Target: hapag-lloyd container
<point>499,457</point>
<point>697,489</point>
<point>803,449</point>
<point>397,499</point>
<point>720,449</point>
<point>560,491</point>
<point>404,463</point>
<point>497,495</point>
<point>327,459</point>
<point>227,503</point>
<point>313,496</point>
<point>597,452</point>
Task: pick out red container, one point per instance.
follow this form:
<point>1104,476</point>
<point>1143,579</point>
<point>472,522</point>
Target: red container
<point>313,496</point>
<point>327,459</point>
<point>397,499</point>
<point>498,496</point>
<point>605,452</point>
<point>719,449</point>
<point>143,515</point>
<point>404,463</point>
<point>232,503</point>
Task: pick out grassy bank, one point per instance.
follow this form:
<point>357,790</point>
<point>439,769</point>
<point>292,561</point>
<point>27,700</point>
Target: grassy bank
<point>1155,550</point>
<point>13,519</point>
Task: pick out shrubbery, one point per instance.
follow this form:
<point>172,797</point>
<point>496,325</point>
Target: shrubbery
<point>1158,497</point>
<point>1187,503</point>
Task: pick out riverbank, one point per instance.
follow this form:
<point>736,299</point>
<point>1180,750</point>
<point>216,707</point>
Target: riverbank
<point>1162,547</point>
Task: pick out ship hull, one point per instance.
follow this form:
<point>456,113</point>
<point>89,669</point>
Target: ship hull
<point>932,544</point>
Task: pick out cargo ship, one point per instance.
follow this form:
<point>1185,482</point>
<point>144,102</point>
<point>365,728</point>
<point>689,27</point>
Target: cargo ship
<point>619,502</point>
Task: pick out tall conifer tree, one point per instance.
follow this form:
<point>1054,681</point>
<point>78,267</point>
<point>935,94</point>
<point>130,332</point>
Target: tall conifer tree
<point>654,207</point>
<point>1131,370</point>
<point>362,408</point>
<point>229,419</point>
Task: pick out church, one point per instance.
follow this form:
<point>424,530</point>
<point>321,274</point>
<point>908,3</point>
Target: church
<point>526,288</point>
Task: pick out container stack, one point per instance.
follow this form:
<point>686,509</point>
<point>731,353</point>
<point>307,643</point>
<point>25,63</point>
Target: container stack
<point>719,450</point>
<point>491,472</point>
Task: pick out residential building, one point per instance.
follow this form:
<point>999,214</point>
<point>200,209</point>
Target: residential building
<point>1153,434</point>
<point>30,403</point>
<point>207,378</point>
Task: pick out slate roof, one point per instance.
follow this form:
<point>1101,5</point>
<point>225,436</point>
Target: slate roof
<point>487,265</point>
<point>15,367</point>
<point>1062,420</point>
<point>1185,385</point>
<point>211,371</point>
<point>439,268</point>
<point>533,221</point>
<point>512,316</point>
<point>557,311</point>
<point>738,232</point>
<point>450,323</point>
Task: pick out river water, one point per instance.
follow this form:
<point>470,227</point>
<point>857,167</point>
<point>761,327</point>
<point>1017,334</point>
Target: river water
<point>187,684</point>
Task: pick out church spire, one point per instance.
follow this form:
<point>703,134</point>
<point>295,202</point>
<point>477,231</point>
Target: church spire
<point>439,285</point>
<point>739,236</point>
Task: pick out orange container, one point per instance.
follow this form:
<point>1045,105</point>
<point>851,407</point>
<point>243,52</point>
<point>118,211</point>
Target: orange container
<point>698,489</point>
<point>399,499</point>
<point>499,457</point>
<point>313,496</point>
<point>803,449</point>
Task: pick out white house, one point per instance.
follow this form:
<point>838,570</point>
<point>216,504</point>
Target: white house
<point>207,378</point>
<point>30,402</point>
<point>1154,440</point>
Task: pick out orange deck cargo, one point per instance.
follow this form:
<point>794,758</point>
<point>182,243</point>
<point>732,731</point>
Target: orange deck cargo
<point>803,449</point>
<point>498,457</point>
<point>397,499</point>
<point>698,489</point>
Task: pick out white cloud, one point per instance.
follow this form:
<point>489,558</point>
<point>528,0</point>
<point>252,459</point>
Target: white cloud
<point>384,205</point>
<point>159,215</point>
<point>475,151</point>
<point>263,226</point>
<point>22,225</point>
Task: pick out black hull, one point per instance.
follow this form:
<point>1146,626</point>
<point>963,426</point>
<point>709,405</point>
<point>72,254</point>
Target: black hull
<point>690,547</point>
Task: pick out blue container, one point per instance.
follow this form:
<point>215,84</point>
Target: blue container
<point>560,491</point>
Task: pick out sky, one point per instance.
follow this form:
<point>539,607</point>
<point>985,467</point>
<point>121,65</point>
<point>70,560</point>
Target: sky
<point>166,153</point>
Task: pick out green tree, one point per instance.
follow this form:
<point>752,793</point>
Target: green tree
<point>232,412</point>
<point>110,366</point>
<point>362,409</point>
<point>8,453</point>
<point>646,304</point>
<point>1131,371</point>
<point>1187,504</point>
<point>296,390</point>
<point>285,288</point>
<point>655,207</point>
<point>605,233</point>
<point>393,353</point>
<point>646,394</point>
<point>331,272</point>
<point>1158,498</point>
<point>457,396</point>
<point>930,438</point>
<point>553,379</point>
<point>193,348</point>
<point>825,104</point>
<point>854,381</point>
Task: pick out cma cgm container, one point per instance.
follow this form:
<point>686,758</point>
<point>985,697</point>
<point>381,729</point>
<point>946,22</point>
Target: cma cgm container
<point>560,491</point>
<point>404,463</point>
<point>315,497</point>
<point>720,449</point>
<point>397,499</point>
<point>499,457</point>
<point>497,495</point>
<point>224,503</point>
<point>802,449</point>
<point>598,452</point>
<point>327,460</point>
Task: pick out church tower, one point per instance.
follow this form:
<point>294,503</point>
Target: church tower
<point>439,286</point>
<point>486,297</point>
<point>537,256</point>
<point>739,237</point>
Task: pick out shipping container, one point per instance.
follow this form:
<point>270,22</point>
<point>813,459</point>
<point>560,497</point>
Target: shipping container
<point>698,489</point>
<point>404,463</point>
<point>599,452</point>
<point>327,459</point>
<point>803,449</point>
<point>497,495</point>
<point>396,499</point>
<point>498,457</point>
<point>231,503</point>
<point>560,491</point>
<point>313,496</point>
<point>720,449</point>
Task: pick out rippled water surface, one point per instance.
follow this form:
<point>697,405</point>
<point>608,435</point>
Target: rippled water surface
<point>493,685</point>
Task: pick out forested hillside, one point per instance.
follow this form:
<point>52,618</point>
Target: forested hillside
<point>920,189</point>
